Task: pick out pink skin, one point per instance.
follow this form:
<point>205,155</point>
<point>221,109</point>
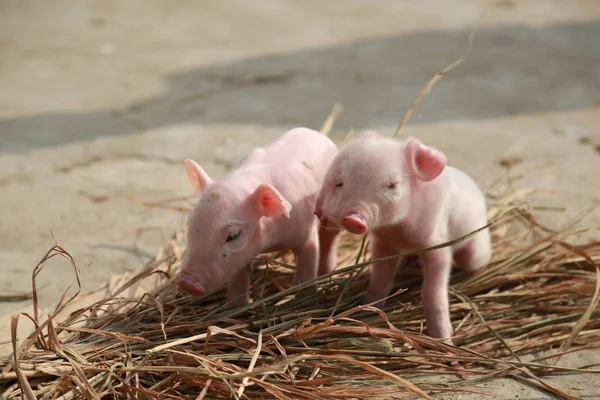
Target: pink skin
<point>265,204</point>
<point>408,199</point>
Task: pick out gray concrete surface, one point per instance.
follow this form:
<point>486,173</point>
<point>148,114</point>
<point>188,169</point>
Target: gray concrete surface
<point>101,100</point>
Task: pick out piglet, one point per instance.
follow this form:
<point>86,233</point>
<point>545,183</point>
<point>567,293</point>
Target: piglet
<point>265,204</point>
<point>408,199</point>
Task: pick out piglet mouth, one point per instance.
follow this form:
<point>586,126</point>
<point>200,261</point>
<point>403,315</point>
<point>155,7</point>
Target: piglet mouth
<point>355,223</point>
<point>329,224</point>
<point>190,285</point>
<point>324,222</point>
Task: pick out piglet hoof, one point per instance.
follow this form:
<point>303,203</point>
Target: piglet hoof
<point>447,341</point>
<point>443,335</point>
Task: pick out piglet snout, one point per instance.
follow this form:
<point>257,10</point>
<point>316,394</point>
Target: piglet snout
<point>190,285</point>
<point>354,223</point>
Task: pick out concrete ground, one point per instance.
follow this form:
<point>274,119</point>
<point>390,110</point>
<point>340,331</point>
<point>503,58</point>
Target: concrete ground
<point>100,101</point>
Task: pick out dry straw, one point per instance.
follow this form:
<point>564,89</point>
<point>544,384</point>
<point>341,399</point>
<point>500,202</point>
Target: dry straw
<point>540,292</point>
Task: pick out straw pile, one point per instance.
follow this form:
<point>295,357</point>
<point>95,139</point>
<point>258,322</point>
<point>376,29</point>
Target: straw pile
<point>539,293</point>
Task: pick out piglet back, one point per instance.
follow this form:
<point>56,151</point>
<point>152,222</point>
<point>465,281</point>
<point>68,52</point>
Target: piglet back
<point>311,149</point>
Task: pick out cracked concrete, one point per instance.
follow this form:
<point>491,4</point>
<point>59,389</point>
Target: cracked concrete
<point>100,101</point>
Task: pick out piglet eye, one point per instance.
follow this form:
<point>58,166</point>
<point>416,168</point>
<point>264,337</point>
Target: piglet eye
<point>233,235</point>
<point>393,185</point>
<point>339,184</point>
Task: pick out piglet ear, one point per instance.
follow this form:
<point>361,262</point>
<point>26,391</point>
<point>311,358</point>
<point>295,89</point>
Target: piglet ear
<point>270,203</point>
<point>199,179</point>
<point>426,162</point>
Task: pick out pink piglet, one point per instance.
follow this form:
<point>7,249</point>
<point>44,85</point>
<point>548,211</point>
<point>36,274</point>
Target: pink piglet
<point>265,204</point>
<point>408,199</point>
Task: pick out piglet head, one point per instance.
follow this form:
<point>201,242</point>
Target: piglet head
<point>224,229</point>
<point>371,181</point>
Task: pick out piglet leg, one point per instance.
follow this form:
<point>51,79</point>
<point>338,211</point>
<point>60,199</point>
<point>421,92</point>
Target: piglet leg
<point>307,258</point>
<point>238,289</point>
<point>434,293</point>
<point>382,274</point>
<point>476,254</point>
<point>328,243</point>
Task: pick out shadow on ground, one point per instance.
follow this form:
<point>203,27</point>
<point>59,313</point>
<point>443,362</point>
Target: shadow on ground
<point>512,70</point>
